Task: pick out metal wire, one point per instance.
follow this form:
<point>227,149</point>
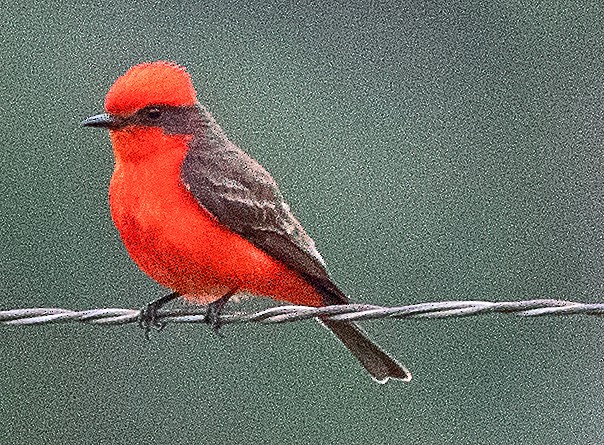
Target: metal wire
<point>281,314</point>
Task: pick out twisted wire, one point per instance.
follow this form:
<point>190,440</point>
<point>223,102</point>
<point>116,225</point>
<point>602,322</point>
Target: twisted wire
<point>281,314</point>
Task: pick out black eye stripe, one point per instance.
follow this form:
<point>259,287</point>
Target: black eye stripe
<point>173,119</point>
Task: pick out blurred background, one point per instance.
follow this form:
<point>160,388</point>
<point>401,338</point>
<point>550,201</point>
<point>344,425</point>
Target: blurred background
<point>435,151</point>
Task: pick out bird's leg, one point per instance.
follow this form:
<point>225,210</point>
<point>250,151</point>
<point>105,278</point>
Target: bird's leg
<point>147,318</point>
<point>215,309</point>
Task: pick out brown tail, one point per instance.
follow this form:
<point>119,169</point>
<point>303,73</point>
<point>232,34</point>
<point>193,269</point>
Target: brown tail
<point>377,362</point>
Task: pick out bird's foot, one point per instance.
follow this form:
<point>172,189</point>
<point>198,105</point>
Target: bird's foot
<point>214,311</point>
<point>148,318</point>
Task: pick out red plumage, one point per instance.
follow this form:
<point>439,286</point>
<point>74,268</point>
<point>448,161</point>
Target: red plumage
<point>203,218</point>
<point>148,84</point>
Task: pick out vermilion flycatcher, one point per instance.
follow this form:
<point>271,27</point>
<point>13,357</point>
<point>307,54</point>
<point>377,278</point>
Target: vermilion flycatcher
<point>203,218</point>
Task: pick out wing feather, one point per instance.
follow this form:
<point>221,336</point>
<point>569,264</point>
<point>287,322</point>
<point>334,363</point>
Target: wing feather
<point>243,196</point>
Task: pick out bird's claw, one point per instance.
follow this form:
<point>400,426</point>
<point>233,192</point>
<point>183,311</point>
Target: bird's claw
<point>215,309</point>
<point>212,318</point>
<point>148,319</point>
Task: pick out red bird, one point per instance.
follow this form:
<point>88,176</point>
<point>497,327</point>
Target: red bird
<point>201,217</point>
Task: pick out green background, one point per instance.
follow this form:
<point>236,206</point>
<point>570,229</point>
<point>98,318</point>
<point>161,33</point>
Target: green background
<point>435,151</point>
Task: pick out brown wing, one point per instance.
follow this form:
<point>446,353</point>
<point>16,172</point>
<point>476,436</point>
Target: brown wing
<point>243,196</point>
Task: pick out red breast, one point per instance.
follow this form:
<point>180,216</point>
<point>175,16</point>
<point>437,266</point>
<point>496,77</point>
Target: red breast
<point>165,230</point>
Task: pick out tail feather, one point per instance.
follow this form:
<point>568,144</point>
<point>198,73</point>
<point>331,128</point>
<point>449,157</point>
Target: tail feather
<point>375,360</point>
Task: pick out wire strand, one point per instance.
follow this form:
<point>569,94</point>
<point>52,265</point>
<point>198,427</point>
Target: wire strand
<point>282,314</point>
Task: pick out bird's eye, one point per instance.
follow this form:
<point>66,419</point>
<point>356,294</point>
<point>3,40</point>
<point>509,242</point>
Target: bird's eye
<point>154,113</point>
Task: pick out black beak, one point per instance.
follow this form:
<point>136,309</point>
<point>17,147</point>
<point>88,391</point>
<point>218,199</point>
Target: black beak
<point>100,120</point>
